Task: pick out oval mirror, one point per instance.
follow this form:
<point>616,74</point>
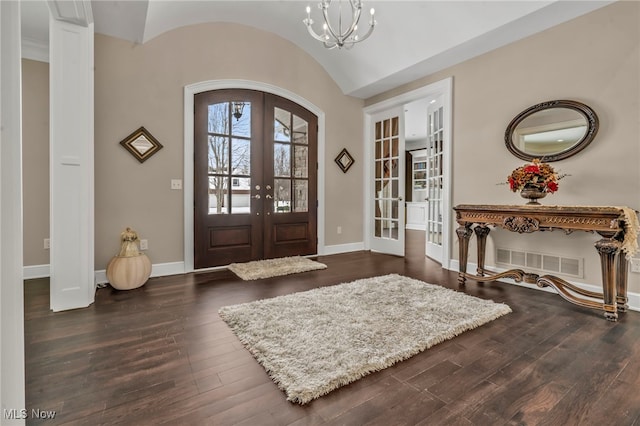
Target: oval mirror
<point>551,131</point>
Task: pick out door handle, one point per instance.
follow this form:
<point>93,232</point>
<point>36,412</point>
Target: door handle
<point>268,196</point>
<point>399,198</point>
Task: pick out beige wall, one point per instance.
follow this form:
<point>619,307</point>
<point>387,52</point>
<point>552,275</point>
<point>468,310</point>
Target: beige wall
<point>142,85</point>
<point>594,59</point>
<point>35,159</point>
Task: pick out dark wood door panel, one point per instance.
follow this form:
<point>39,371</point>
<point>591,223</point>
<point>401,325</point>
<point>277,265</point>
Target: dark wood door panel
<point>279,187</point>
<point>216,157</point>
<point>289,232</point>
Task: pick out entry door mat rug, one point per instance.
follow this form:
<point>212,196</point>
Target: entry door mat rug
<point>313,342</point>
<point>258,269</point>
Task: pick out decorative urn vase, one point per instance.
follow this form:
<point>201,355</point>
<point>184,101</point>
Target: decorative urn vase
<point>533,194</point>
<point>130,268</point>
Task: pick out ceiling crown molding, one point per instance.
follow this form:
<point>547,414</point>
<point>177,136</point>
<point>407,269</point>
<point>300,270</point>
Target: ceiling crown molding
<point>36,50</point>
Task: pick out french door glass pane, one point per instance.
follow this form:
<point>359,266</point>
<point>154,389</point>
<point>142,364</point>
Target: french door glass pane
<point>434,176</point>
<point>301,191</point>
<point>218,154</point>
<point>281,159</point>
<point>282,195</point>
<point>241,157</point>
<point>218,195</point>
<point>242,126</point>
<point>300,130</point>
<point>282,125</point>
<point>290,160</point>
<point>229,158</point>
<point>300,161</point>
<point>386,178</point>
<point>240,194</point>
<point>218,118</point>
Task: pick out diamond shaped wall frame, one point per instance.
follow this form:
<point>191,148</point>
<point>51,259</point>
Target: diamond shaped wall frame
<point>141,144</point>
<point>344,160</point>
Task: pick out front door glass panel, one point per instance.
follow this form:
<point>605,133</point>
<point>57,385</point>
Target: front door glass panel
<point>290,162</point>
<point>229,162</point>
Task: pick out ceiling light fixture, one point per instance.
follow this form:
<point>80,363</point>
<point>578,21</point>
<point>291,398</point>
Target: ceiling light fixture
<point>332,38</point>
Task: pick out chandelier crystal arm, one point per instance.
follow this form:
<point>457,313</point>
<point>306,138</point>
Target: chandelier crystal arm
<point>331,37</point>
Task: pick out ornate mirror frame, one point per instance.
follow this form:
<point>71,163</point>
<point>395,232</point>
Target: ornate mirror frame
<point>589,115</point>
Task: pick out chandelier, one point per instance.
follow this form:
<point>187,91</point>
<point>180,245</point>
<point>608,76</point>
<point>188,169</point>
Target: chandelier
<point>339,37</point>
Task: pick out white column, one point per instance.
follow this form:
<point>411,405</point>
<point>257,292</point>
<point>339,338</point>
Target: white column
<point>12,395</point>
<point>71,162</point>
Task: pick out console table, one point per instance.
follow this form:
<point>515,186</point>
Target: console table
<point>615,225</point>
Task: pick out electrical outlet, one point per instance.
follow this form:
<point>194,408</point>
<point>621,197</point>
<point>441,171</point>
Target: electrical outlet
<point>176,183</point>
<point>144,244</point>
<point>339,230</point>
<point>635,265</point>
<point>47,243</point>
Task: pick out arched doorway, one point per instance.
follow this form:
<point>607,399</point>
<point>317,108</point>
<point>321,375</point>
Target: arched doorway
<point>255,177</point>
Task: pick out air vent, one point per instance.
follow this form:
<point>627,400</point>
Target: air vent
<point>518,258</point>
<point>552,263</point>
<point>503,256</point>
<point>534,260</point>
<point>570,266</point>
<point>542,262</point>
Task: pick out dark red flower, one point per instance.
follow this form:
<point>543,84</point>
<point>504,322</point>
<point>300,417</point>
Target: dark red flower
<point>552,187</point>
<point>532,168</point>
<point>512,183</point>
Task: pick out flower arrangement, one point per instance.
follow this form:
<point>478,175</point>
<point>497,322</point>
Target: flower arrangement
<point>536,174</point>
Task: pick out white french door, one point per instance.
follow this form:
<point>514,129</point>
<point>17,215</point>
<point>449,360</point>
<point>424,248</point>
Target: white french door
<point>388,182</point>
<point>435,180</point>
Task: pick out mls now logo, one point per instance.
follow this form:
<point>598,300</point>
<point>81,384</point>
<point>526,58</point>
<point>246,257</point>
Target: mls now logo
<point>14,414</point>
<point>42,414</point>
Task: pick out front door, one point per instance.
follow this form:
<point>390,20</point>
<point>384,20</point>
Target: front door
<point>388,182</point>
<point>255,179</point>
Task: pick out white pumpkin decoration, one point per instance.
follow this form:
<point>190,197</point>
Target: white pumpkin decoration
<point>130,268</point>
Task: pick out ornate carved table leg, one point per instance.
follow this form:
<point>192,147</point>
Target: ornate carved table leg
<point>608,248</point>
<point>464,235</point>
<point>481,234</point>
<point>621,283</point>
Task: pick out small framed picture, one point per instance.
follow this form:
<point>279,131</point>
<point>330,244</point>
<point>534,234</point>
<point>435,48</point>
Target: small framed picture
<point>344,160</point>
<point>141,144</point>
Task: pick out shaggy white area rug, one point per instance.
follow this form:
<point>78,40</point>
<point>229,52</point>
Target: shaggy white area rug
<point>315,341</point>
<point>258,269</point>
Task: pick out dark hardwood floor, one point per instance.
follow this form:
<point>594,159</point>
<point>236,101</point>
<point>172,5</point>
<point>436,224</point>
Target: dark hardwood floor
<point>160,354</point>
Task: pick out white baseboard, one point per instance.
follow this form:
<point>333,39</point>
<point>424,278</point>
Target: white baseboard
<point>35,271</point>
<point>342,248</point>
<point>634,298</point>
<point>416,227</point>
<point>157,270</point>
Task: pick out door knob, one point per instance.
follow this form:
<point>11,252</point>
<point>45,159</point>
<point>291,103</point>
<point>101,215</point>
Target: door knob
<point>268,196</point>
<point>399,198</point>
<point>257,187</point>
<point>268,187</point>
<point>257,196</point>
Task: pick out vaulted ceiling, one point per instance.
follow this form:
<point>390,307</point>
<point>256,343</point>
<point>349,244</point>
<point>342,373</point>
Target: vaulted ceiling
<point>412,38</point>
